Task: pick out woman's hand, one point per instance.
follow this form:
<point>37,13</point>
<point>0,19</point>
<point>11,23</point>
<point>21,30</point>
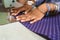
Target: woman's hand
<point>34,15</point>
<point>25,8</point>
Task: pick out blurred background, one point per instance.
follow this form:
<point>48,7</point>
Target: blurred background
<point>3,14</point>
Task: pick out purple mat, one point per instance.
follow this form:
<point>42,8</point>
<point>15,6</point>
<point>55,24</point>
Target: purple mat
<point>49,26</point>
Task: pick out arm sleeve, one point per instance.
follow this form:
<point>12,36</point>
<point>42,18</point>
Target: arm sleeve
<point>38,2</point>
<point>58,4</point>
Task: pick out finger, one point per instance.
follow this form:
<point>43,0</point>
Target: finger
<point>24,19</point>
<point>35,20</point>
<point>21,17</point>
<point>28,19</point>
<point>12,10</point>
<point>15,13</point>
<point>27,11</point>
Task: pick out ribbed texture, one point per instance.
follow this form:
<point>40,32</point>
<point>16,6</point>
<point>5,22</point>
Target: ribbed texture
<point>49,26</point>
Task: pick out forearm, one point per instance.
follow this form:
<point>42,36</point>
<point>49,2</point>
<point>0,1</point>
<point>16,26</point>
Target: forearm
<point>55,6</point>
<point>52,6</point>
<point>44,8</point>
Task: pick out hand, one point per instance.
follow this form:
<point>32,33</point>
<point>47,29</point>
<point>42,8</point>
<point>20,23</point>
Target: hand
<point>25,8</point>
<point>34,15</point>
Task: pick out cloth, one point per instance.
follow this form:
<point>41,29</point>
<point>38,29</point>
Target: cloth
<point>38,2</point>
<point>58,3</point>
<point>16,31</point>
<point>48,26</point>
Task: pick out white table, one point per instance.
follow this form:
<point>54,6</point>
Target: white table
<point>16,31</point>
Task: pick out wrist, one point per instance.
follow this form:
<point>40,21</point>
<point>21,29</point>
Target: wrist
<point>43,8</point>
<point>57,6</point>
<point>52,6</point>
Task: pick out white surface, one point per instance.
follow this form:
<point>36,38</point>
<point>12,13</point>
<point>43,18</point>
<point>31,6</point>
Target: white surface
<point>16,31</point>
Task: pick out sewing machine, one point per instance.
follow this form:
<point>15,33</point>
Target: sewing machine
<point>9,4</point>
<point>14,4</point>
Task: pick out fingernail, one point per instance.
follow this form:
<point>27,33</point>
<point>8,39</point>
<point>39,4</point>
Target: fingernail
<point>31,22</point>
<point>25,12</point>
<point>17,19</point>
<point>22,21</point>
<point>15,14</point>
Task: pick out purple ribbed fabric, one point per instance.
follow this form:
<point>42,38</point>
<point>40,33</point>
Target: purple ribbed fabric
<point>49,26</point>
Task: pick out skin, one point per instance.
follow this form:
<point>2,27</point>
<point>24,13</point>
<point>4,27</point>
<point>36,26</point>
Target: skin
<point>15,11</point>
<point>35,14</point>
<point>26,7</point>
